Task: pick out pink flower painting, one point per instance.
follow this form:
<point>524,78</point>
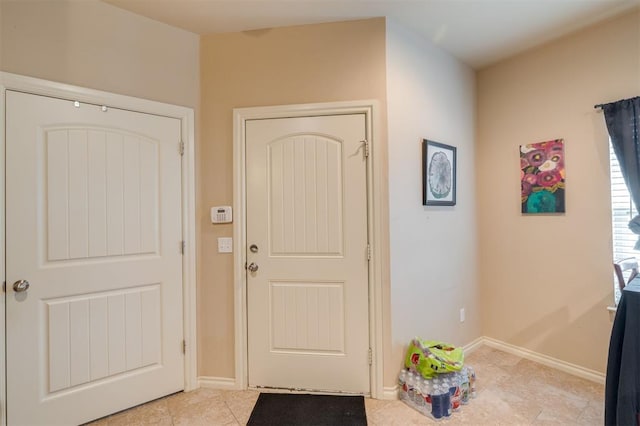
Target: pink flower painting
<point>542,177</point>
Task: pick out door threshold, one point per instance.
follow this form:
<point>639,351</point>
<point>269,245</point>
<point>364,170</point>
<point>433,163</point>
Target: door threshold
<point>273,389</point>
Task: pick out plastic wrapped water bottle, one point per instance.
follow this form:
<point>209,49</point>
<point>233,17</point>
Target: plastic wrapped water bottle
<point>410,381</point>
<point>447,403</point>
<point>436,382</point>
<point>464,386</point>
<point>402,384</point>
<point>440,402</point>
<point>417,399</point>
<point>472,381</point>
<point>416,395</point>
<point>437,402</point>
<point>454,391</point>
<point>426,391</point>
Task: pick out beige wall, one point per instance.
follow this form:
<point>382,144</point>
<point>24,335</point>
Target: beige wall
<point>92,44</point>
<point>314,63</point>
<point>430,94</point>
<point>547,280</point>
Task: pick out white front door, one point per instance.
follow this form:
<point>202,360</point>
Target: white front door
<point>308,325</point>
<point>93,218</point>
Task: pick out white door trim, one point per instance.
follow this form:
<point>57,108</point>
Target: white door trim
<point>186,116</point>
<point>374,171</point>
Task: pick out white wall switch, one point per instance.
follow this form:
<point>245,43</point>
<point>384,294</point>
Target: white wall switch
<point>462,315</point>
<point>225,245</point>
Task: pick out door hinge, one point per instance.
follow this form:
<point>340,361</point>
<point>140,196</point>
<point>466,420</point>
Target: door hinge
<point>369,252</point>
<point>4,286</point>
<point>370,356</point>
<point>366,147</point>
<point>184,346</point>
<point>181,148</point>
<point>183,246</point>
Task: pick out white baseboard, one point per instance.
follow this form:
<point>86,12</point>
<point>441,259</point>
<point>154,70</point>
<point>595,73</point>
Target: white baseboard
<point>225,383</point>
<point>567,367</point>
<point>390,392</point>
<point>472,346</point>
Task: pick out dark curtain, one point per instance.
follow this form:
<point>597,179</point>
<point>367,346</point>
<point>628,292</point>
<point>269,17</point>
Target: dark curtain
<point>623,123</point>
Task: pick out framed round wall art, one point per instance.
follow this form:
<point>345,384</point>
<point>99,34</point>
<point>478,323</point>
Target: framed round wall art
<point>438,174</point>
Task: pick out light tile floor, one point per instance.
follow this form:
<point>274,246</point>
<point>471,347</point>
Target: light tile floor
<point>511,391</point>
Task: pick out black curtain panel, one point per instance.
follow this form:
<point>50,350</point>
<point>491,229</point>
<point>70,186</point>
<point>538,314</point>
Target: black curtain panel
<point>623,123</point>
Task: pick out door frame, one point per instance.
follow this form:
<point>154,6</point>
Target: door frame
<point>186,116</point>
<point>370,109</point>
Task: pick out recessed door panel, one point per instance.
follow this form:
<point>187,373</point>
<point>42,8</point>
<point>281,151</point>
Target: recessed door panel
<point>97,201</point>
<point>305,196</point>
<point>307,317</point>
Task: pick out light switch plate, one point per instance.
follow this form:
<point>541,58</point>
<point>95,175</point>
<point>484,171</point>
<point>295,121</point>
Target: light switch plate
<point>225,245</point>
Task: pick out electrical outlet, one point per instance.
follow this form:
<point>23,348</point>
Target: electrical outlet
<point>462,315</point>
<point>225,245</point>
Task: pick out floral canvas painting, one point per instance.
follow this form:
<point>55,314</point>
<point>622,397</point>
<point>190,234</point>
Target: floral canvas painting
<point>542,177</point>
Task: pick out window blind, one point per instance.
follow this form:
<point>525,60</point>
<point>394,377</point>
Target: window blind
<point>622,211</point>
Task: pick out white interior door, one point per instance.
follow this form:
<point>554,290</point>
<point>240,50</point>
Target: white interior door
<point>307,234</point>
<point>94,225</point>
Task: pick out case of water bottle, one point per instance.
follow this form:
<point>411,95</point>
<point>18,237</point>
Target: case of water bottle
<point>439,396</point>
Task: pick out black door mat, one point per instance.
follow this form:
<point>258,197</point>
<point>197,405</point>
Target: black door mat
<point>308,410</point>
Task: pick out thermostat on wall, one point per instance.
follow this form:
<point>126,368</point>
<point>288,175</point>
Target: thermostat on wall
<point>221,214</point>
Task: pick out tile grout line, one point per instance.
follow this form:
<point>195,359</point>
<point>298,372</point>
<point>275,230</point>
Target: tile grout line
<point>226,403</point>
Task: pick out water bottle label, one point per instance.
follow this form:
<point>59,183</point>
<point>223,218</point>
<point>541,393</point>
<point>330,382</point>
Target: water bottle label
<point>446,408</point>
<point>455,397</point>
<point>437,406</point>
<point>464,393</point>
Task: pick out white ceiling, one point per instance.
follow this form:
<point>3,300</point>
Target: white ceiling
<point>479,32</point>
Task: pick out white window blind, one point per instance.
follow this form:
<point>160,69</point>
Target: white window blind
<point>622,211</point>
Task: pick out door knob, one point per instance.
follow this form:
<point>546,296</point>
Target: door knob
<point>252,267</point>
<point>20,286</point>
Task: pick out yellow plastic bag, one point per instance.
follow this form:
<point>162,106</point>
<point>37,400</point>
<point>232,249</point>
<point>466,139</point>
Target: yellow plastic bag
<point>431,357</point>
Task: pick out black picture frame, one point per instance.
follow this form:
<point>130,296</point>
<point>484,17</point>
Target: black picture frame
<point>438,174</point>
